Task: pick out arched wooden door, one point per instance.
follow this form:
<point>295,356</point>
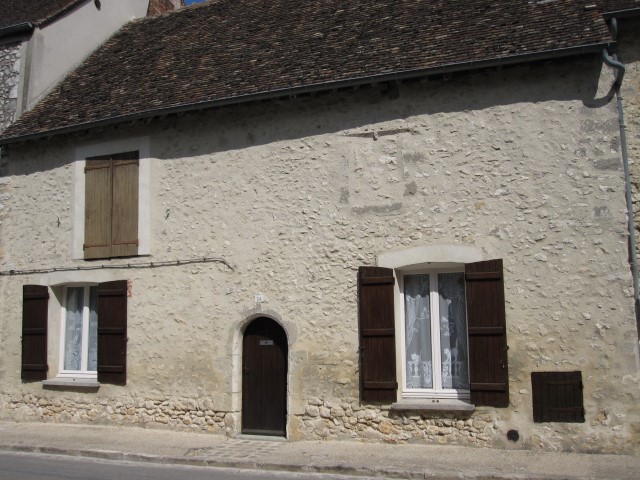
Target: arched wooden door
<point>264,378</point>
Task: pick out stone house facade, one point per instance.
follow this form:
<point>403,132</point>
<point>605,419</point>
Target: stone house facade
<point>441,259</point>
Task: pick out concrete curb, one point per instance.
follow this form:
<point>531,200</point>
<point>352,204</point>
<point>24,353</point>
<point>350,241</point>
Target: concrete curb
<point>337,469</point>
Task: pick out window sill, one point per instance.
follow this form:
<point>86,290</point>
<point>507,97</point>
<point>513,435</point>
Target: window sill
<point>75,383</point>
<point>433,405</point>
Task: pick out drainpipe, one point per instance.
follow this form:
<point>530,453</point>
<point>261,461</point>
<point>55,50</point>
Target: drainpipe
<point>612,61</point>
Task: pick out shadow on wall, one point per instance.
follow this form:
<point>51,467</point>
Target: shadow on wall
<point>629,40</point>
<point>249,125</point>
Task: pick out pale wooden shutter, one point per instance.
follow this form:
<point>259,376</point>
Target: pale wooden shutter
<point>112,332</point>
<point>97,208</point>
<point>111,206</point>
<point>377,335</point>
<point>35,308</point>
<point>124,225</point>
<point>486,318</point>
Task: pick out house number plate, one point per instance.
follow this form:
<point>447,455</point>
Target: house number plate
<point>266,342</point>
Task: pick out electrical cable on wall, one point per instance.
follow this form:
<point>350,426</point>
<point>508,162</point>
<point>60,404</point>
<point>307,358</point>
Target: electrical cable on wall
<point>168,263</point>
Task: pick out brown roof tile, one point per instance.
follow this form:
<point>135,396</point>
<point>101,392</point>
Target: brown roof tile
<point>228,51</point>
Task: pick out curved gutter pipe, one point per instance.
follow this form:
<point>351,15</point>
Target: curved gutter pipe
<point>20,28</point>
<point>612,61</point>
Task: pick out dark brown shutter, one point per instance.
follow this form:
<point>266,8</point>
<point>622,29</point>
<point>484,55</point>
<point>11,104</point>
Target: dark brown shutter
<point>35,308</point>
<point>112,332</point>
<point>377,335</point>
<point>124,223</point>
<point>557,397</point>
<point>97,208</point>
<point>489,375</point>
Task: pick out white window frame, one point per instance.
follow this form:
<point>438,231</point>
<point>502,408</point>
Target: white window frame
<point>83,372</point>
<point>437,392</point>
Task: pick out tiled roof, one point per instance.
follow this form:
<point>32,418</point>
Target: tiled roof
<point>229,51</point>
<point>619,5</point>
<point>38,12</point>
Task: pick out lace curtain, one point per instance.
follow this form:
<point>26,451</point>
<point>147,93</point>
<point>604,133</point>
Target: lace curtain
<point>73,329</point>
<point>92,358</point>
<point>74,326</point>
<point>453,331</point>
<point>419,366</point>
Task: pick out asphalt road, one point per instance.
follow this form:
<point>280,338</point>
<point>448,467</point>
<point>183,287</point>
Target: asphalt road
<point>32,466</point>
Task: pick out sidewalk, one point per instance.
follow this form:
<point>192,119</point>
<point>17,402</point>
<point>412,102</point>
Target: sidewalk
<point>353,458</point>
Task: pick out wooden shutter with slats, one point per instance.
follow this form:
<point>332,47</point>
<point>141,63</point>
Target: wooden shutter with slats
<point>486,319</point>
<point>97,208</point>
<point>557,397</point>
<point>124,223</point>
<point>377,335</point>
<point>35,308</point>
<point>111,206</point>
<point>112,332</point>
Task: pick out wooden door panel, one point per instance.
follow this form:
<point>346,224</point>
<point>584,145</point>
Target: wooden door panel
<point>264,378</point>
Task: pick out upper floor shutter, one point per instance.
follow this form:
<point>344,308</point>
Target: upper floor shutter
<point>486,319</point>
<point>97,207</point>
<point>112,332</point>
<point>124,224</point>
<point>111,206</point>
<point>35,308</point>
<point>377,335</point>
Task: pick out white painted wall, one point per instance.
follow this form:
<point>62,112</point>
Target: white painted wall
<point>61,46</point>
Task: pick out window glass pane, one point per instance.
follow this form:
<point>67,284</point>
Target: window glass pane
<point>73,328</point>
<point>453,331</point>
<point>419,366</point>
<point>92,358</point>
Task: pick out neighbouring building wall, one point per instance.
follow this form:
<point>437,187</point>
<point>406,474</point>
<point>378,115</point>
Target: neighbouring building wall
<point>521,164</point>
<point>57,48</point>
<point>9,73</point>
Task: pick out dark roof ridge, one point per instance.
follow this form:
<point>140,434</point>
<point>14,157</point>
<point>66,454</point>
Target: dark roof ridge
<point>35,12</point>
<point>72,5</point>
<point>619,8</point>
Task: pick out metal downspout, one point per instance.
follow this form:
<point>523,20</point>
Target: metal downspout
<point>613,62</point>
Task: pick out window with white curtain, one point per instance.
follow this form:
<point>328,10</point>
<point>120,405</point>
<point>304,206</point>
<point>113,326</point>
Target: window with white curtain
<point>435,353</point>
<point>79,332</point>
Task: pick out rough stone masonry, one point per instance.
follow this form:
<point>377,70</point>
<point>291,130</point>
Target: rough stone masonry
<point>522,163</point>
<point>9,72</point>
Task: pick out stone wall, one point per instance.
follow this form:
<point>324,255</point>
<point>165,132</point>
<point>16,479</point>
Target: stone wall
<point>295,195</point>
<point>9,72</point>
<point>629,51</point>
<point>177,413</point>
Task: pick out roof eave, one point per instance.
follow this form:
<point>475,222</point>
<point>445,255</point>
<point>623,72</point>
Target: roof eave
<point>520,58</point>
<point>43,22</point>
<point>631,12</point>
